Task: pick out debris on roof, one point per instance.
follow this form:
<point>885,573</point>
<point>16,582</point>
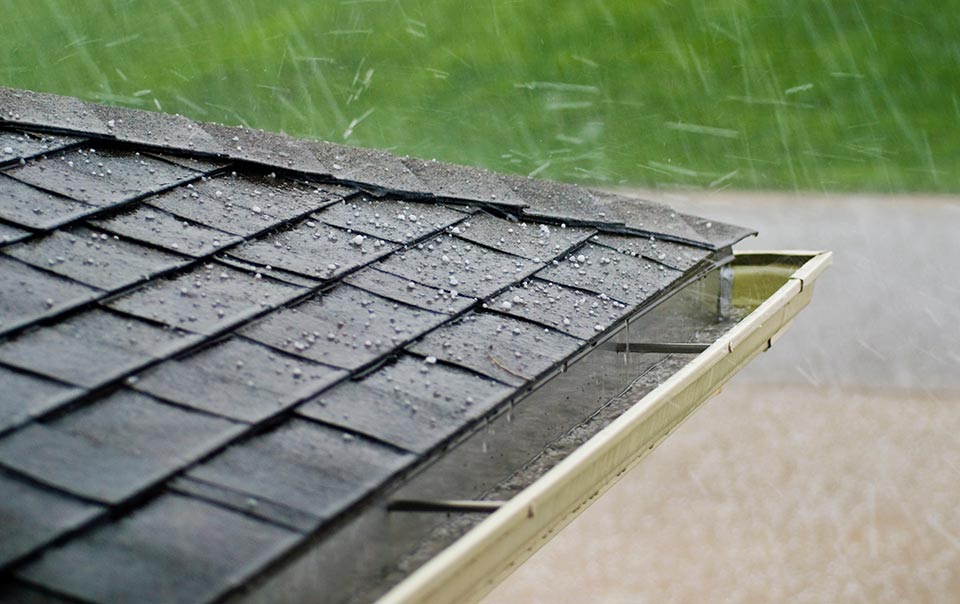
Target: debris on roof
<point>215,342</point>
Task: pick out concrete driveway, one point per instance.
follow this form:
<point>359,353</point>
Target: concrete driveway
<point>829,469</point>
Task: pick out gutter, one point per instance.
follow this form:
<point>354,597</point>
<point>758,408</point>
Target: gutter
<point>777,285</point>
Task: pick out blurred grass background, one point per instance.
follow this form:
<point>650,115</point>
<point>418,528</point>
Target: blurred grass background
<point>781,94</point>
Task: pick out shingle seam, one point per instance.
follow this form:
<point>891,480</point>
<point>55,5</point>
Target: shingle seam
<point>265,518</point>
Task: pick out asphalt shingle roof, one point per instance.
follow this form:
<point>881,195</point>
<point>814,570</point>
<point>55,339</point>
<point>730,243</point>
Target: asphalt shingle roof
<point>215,340</point>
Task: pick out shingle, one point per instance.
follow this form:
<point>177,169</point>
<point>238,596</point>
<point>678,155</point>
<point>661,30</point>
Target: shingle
<point>408,292</point>
<point>603,270</point>
<point>27,294</point>
<point>539,242</point>
<point>346,327</point>
<point>24,396</point>
<point>453,263</point>
<point>391,219</point>
<point>31,207</point>
<point>94,258</point>
<point>245,205</point>
<point>463,182</point>
<point>39,109</point>
<point>206,298</point>
<point>574,312</point>
<point>91,348</point>
<point>18,592</point>
<point>155,129</point>
<point>675,255</point>
<point>11,234</point>
<point>412,404</point>
<point>114,447</point>
<point>720,234</point>
<point>76,464</point>
<point>17,144</point>
<point>313,249</point>
<point>242,502</point>
<point>101,177</point>
<point>165,230</point>
<point>238,379</point>
<point>305,466</point>
<point>31,516</point>
<point>175,549</point>
<point>503,348</point>
<point>377,170</point>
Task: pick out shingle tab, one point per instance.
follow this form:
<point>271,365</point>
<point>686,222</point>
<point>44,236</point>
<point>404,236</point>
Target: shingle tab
<point>514,352</point>
<point>391,219</point>
<point>11,234</point>
<point>313,249</point>
<point>206,298</point>
<point>31,207</point>
<point>238,379</point>
<point>18,592</point>
<point>30,516</point>
<point>675,255</point>
<point>165,230</point>
<point>305,466</point>
<point>453,263</point>
<point>24,395</point>
<point>91,348</point>
<point>538,242</point>
<point>17,144</point>
<point>95,258</point>
<point>28,294</point>
<point>603,270</point>
<point>245,205</point>
<point>185,551</point>
<point>415,294</point>
<point>101,177</point>
<point>413,404</point>
<point>113,448</point>
<point>346,327</point>
<point>574,312</point>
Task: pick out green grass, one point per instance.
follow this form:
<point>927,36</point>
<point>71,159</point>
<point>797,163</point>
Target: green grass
<point>803,94</point>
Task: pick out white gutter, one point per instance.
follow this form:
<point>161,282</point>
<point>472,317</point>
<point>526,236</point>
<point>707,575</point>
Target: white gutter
<point>477,562</point>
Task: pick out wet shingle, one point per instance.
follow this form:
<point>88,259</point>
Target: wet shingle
<point>16,144</point>
<point>91,348</point>
<point>603,270</point>
<point>346,327</point>
<point>675,255</point>
<point>304,466</point>
<point>503,348</point>
<point>175,549</point>
<point>24,395</point>
<point>720,234</point>
<point>11,234</point>
<point>464,182</point>
<point>18,592</point>
<point>206,298</point>
<point>453,263</point>
<point>313,249</point>
<point>31,515</point>
<point>538,242</point>
<point>115,447</point>
<point>245,205</point>
<point>574,312</point>
<point>391,219</point>
<point>95,258</point>
<point>415,294</point>
<point>31,207</point>
<point>101,177</point>
<point>238,379</point>
<point>28,294</point>
<point>165,230</point>
<point>204,165</point>
<point>413,404</point>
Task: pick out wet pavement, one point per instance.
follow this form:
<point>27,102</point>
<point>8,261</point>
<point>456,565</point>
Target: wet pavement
<point>828,470</point>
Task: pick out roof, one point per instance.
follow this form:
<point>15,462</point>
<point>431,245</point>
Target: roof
<point>214,342</point>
